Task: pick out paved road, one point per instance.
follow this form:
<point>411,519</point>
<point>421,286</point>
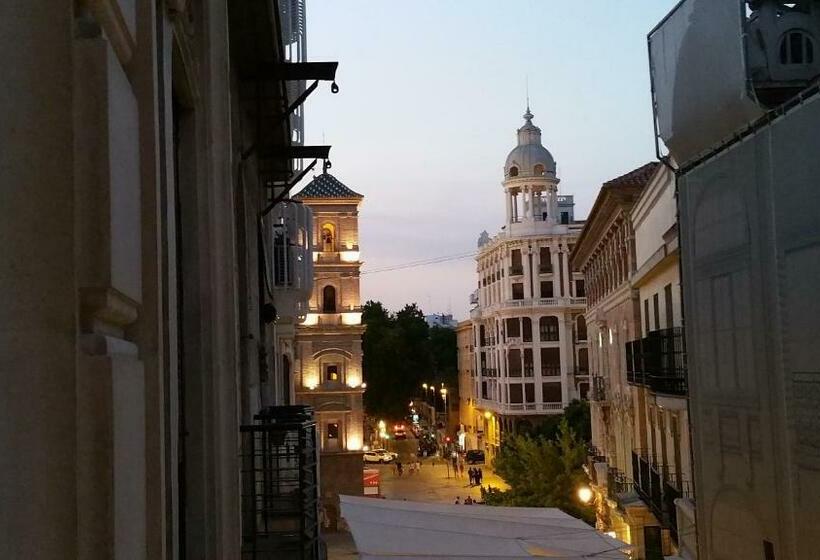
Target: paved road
<point>434,482</point>
<point>430,484</point>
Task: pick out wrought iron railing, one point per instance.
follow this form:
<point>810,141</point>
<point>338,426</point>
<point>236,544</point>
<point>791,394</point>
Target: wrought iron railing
<point>659,361</point>
<point>280,496</point>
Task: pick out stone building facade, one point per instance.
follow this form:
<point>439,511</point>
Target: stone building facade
<point>468,433</point>
<point>528,326</point>
<point>329,340</point>
<point>605,254</point>
<point>134,340</point>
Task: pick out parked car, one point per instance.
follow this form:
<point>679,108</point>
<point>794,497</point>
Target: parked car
<point>373,457</point>
<point>474,456</point>
<point>387,456</point>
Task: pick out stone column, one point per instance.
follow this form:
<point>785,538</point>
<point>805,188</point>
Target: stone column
<point>566,342</point>
<point>567,273</point>
<point>525,261</point>
<point>508,199</point>
<point>556,274</point>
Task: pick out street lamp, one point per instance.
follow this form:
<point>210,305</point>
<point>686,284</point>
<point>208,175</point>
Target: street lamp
<point>446,412</point>
<point>585,494</point>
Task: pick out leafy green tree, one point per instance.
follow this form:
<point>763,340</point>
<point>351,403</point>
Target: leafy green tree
<point>576,415</point>
<point>444,356</point>
<point>542,472</point>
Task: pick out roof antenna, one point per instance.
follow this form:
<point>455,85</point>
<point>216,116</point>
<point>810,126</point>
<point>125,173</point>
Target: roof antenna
<point>527,81</point>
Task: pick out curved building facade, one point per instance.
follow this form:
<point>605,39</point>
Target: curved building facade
<point>528,325</point>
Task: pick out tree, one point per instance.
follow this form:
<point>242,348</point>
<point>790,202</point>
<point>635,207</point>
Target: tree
<point>542,472</point>
<point>577,416</point>
<point>444,355</point>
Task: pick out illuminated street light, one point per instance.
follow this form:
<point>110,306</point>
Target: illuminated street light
<point>585,494</point>
<point>382,425</point>
<point>488,414</point>
<point>424,386</point>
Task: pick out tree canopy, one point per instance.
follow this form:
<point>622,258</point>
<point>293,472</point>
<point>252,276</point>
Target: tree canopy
<point>400,353</point>
<point>542,472</point>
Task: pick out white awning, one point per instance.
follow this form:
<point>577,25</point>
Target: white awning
<point>424,531</point>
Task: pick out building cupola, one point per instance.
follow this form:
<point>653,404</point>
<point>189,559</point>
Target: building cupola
<point>529,158</point>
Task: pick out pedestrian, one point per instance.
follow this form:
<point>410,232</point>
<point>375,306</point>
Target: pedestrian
<point>398,468</point>
<point>471,474</point>
<point>479,476</point>
<point>455,466</point>
<point>460,469</point>
<point>458,501</point>
<point>468,501</point>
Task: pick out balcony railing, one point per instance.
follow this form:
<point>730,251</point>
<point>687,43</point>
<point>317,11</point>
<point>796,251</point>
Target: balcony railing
<point>658,487</point>
<point>516,270</point>
<point>659,361</point>
<point>594,456</point>
<point>520,408</point>
<point>550,371</point>
<point>617,484</point>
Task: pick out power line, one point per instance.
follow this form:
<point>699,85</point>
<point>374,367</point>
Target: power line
<point>420,263</point>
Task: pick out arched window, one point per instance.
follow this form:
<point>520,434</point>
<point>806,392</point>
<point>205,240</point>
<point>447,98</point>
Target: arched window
<point>538,169</point>
<point>329,299</point>
<point>548,329</point>
<point>581,328</point>
<point>796,47</point>
<point>513,171</point>
<point>328,235</point>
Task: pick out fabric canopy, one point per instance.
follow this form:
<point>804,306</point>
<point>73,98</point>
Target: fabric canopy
<point>416,530</point>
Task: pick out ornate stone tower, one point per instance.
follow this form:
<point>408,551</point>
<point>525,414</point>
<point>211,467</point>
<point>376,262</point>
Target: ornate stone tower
<point>530,183</point>
<point>329,342</point>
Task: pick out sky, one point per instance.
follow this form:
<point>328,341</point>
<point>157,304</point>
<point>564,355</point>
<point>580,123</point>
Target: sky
<point>431,94</point>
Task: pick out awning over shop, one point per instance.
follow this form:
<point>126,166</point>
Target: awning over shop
<point>415,530</point>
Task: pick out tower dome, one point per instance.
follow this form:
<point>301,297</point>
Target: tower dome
<point>529,158</point>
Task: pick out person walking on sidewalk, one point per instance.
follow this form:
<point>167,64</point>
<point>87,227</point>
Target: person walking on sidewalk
<point>479,476</point>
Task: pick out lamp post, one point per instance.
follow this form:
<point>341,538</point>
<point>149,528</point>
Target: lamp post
<point>446,411</point>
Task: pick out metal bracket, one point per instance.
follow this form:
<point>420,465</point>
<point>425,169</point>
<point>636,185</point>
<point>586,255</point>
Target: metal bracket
<point>289,185</point>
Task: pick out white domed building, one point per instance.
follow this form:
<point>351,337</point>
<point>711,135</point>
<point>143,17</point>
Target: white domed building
<point>530,337</point>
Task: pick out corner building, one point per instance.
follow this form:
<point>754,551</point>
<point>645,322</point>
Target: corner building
<point>329,341</point>
<point>528,326</point>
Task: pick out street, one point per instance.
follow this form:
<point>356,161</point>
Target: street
<point>430,484</point>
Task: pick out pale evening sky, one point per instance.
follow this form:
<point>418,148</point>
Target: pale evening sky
<point>432,92</point>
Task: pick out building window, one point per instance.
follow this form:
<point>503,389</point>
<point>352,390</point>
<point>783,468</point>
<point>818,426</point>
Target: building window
<point>580,289</point>
<point>516,394</point>
<point>329,299</point>
<point>513,171</point>
<point>667,300</point>
<point>545,260</point>
<point>529,392</point>
<point>656,311</point>
<point>551,392</point>
<point>564,217</point>
<point>583,361</point>
<point>646,316</point>
<point>513,328</point>
<point>328,235</point>
<point>333,430</point>
<point>526,329</point>
<point>538,169</point>
<point>548,329</point>
<point>796,47</point>
<point>518,291</point>
<point>581,328</point>
<point>515,262</point>
<point>514,363</point>
<point>546,289</point>
<point>332,372</point>
<point>550,362</point>
<point>482,337</point>
<point>528,367</point>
